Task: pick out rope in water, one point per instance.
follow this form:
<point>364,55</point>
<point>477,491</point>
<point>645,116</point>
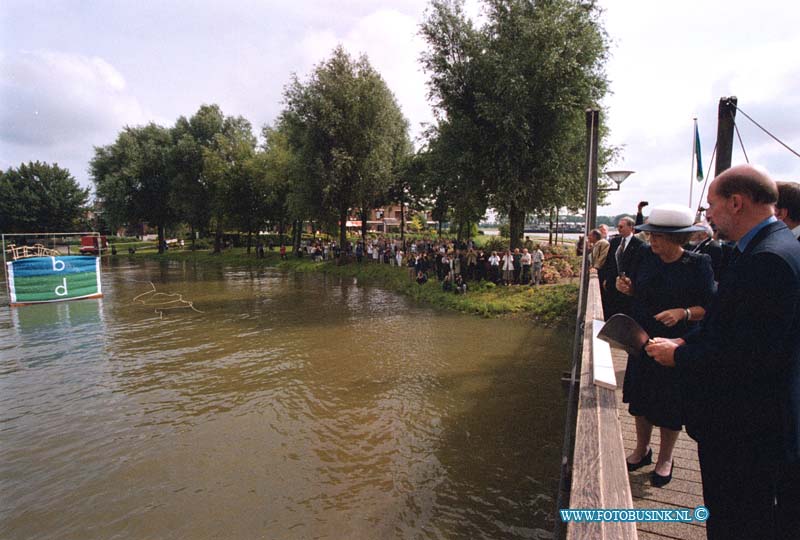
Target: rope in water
<point>182,304</point>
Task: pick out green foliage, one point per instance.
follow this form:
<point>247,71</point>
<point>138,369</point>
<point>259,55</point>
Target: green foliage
<point>192,194</point>
<point>514,91</point>
<point>349,134</point>
<point>236,179</point>
<point>495,243</point>
<point>417,224</point>
<point>38,197</point>
<point>134,177</point>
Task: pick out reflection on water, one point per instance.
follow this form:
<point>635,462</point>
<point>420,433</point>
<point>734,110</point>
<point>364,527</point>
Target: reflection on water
<point>291,407</point>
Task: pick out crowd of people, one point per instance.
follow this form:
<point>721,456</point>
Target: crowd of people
<point>452,263</point>
<point>720,300</point>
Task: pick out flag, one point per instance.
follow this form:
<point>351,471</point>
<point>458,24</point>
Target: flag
<point>698,155</point>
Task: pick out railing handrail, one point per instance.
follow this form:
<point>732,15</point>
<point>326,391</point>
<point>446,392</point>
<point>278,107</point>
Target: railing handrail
<point>599,475</point>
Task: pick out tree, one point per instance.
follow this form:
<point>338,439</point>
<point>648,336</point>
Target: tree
<point>134,177</point>
<point>191,197</point>
<point>280,167</point>
<point>228,168</point>
<point>522,81</point>
<point>348,133</point>
<point>456,173</point>
<point>38,197</point>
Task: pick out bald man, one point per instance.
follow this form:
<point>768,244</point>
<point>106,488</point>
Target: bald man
<point>740,371</point>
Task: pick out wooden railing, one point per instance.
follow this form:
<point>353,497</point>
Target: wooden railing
<point>36,250</point>
<point>599,474</point>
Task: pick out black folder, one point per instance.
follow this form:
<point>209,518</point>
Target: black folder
<point>623,332</point>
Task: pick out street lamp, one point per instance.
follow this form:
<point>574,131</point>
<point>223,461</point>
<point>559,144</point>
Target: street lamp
<point>617,177</point>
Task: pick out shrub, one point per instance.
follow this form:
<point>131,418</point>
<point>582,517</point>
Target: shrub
<point>550,274</point>
<point>496,243</point>
<point>562,266</point>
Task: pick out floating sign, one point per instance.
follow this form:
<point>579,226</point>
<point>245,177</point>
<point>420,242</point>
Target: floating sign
<point>53,279</point>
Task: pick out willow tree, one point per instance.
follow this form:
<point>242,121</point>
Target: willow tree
<point>191,196</point>
<point>236,188</point>
<point>280,165</point>
<point>346,130</point>
<point>134,177</point>
<point>523,80</point>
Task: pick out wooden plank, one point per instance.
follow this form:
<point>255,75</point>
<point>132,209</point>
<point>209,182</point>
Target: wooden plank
<point>615,487</point>
<point>599,475</point>
<point>585,492</point>
<point>678,485</point>
<point>644,535</point>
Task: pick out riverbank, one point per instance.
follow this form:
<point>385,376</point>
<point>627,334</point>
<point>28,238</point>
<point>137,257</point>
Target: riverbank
<point>550,305</point>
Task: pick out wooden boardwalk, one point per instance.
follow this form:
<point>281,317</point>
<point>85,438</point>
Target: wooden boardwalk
<point>684,491</point>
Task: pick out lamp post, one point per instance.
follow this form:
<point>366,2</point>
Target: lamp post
<point>617,177</point>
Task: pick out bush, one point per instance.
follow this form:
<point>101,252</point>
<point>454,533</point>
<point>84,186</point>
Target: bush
<point>496,243</point>
<point>550,274</point>
<point>562,266</point>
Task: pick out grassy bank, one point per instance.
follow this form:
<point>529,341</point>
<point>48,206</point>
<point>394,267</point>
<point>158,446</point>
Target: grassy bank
<point>548,304</point>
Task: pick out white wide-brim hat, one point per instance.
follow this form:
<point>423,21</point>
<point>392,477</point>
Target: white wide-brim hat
<point>670,218</point>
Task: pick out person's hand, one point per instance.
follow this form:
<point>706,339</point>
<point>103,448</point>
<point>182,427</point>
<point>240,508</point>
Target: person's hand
<point>671,317</point>
<point>641,205</point>
<point>663,350</point>
<point>624,285</point>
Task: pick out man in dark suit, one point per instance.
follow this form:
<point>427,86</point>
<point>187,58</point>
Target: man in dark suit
<point>787,208</point>
<point>740,371</point>
<point>621,260</point>
<point>703,242</point>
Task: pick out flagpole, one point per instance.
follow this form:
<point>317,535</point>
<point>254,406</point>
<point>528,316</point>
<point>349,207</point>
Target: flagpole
<point>692,175</point>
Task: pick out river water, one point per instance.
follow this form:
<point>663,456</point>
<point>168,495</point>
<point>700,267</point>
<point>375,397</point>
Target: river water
<point>273,406</point>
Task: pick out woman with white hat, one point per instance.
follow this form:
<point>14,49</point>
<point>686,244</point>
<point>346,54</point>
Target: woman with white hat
<point>670,290</point>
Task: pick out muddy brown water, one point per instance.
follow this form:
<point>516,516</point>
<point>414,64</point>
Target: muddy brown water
<point>286,406</point>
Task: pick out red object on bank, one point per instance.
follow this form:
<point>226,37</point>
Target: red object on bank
<point>93,245</point>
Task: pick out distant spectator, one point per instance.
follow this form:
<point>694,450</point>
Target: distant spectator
<point>460,285</point>
<point>508,267</point>
<point>639,215</point>
<point>599,246</point>
<point>494,267</point>
<point>703,242</point>
<point>517,262</point>
<point>447,283</point>
<point>787,208</point>
<point>538,262</point>
<point>526,261</point>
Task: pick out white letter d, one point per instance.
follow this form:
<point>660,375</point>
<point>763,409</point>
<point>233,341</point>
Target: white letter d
<point>62,288</point>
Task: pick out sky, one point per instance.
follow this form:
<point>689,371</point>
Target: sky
<point>73,73</point>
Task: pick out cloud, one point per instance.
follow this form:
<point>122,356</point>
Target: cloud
<point>391,41</point>
<point>667,67</point>
<point>50,98</point>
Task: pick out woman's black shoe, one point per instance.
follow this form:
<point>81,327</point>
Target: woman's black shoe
<point>660,481</point>
<point>646,460</point>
